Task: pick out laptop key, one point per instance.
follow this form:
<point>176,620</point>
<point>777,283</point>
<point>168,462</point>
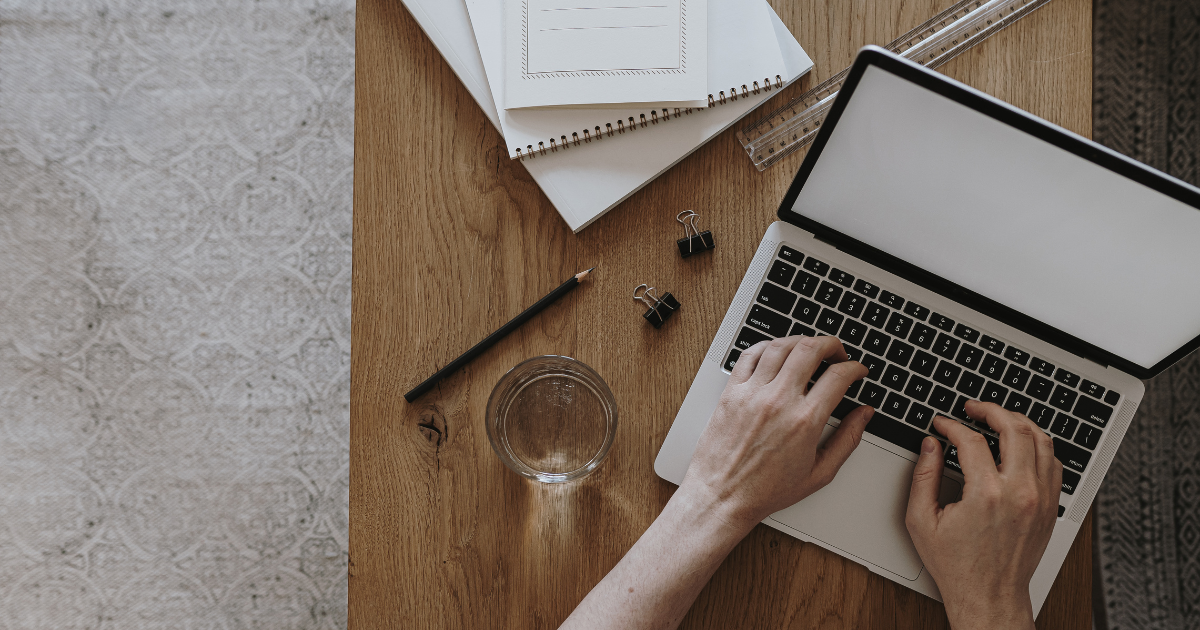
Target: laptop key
<point>993,393</point>
<point>1040,388</point>
<point>1093,411</point>
<point>895,378</point>
<point>1018,403</point>
<point>1041,416</point>
<point>876,342</point>
<point>970,384</point>
<point>1071,456</point>
<point>816,266</point>
<point>841,277</point>
<point>1088,436</point>
<point>855,354</point>
<point>960,408</point>
<point>1016,377</point>
<point>776,297</point>
<point>874,366</point>
<point>1016,355</point>
<point>1042,366</point>
<point>1112,398</point>
<point>895,432</point>
<point>1064,426</point>
<point>942,399</point>
<point>830,321</point>
<point>945,346</point>
<point>919,416</point>
<point>916,310</point>
<point>853,332</point>
<point>966,332</point>
<point>891,299</point>
<point>899,325</point>
<point>969,357</point>
<point>781,273</point>
<point>1061,510</point>
<point>855,387</point>
<point>790,255</point>
<point>731,360</point>
<point>1094,390</point>
<point>899,353</point>
<point>922,335</point>
<point>852,304</point>
<point>872,394</point>
<point>768,321</point>
<point>875,315</point>
<point>828,294</point>
<point>866,288</point>
<point>992,367</point>
<point>1063,398</point>
<point>805,284</point>
<point>748,337</point>
<point>991,344</point>
<point>801,329</point>
<point>923,363</point>
<point>941,321</point>
<point>918,388</point>
<point>1067,378</point>
<point>947,373</point>
<point>806,311</point>
<point>1070,481</point>
<point>895,405</point>
<point>952,458</point>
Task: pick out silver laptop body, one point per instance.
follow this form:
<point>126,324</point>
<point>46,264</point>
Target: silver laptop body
<point>976,237</point>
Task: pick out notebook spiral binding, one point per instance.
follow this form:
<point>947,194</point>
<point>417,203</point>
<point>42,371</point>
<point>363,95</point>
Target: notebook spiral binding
<point>623,126</point>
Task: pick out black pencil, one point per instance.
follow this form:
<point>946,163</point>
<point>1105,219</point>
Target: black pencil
<point>491,339</point>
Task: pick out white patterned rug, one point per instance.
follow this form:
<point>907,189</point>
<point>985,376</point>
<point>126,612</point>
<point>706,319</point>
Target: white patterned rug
<point>175,232</point>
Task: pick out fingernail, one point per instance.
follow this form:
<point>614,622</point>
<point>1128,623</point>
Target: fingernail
<point>927,445</point>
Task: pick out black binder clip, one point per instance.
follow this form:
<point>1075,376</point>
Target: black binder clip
<point>694,241</point>
<point>661,309</point>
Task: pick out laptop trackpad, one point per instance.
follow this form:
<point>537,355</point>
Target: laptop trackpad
<point>862,511</point>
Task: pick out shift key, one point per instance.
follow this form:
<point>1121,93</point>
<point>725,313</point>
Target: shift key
<point>769,321</point>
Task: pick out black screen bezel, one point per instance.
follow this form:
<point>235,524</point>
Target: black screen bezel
<point>1036,127</point>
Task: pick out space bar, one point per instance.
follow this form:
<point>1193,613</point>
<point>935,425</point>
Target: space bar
<point>895,432</point>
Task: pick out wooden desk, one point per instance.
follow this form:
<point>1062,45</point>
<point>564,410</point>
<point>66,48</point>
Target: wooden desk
<point>452,239</point>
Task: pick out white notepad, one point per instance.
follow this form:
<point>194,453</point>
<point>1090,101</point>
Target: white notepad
<point>583,185</point>
<point>740,55</point>
<point>571,52</point>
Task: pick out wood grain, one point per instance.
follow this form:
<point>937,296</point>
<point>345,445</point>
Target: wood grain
<point>452,239</point>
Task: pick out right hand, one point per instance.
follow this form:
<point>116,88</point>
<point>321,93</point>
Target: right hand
<point>983,550</point>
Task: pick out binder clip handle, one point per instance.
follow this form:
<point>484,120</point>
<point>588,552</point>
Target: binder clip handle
<point>694,241</point>
<point>660,309</point>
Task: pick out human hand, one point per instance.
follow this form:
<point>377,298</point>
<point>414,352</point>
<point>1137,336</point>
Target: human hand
<point>759,452</point>
<point>983,550</point>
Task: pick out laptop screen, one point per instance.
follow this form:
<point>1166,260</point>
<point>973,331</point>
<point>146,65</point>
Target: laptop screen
<point>1011,217</point>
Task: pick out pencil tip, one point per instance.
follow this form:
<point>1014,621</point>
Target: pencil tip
<point>583,274</point>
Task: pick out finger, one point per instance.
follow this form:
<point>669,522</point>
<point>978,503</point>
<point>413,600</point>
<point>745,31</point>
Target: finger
<point>926,486</point>
<point>973,453</point>
<point>844,440</point>
<point>772,359</point>
<point>808,353</point>
<point>1018,452</point>
<point>1044,445</point>
<point>831,387</point>
<point>746,363</point>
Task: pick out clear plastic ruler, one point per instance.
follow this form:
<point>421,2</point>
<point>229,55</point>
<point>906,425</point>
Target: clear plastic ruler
<point>942,38</point>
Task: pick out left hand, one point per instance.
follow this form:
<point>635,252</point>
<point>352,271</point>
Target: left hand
<point>759,454</point>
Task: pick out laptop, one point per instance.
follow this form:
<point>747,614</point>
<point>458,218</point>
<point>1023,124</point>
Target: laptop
<point>961,249</point>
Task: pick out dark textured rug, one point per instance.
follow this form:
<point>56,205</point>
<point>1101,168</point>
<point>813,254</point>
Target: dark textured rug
<point>1147,106</point>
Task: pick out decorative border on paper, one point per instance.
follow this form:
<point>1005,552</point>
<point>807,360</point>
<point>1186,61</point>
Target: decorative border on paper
<point>526,74</point>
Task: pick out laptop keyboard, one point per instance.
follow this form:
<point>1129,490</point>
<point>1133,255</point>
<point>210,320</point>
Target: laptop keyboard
<point>922,363</point>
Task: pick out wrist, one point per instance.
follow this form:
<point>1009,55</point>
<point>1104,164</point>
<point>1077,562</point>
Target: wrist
<point>716,517</point>
<point>1007,612</point>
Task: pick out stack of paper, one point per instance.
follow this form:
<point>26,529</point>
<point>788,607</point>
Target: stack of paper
<point>583,172</point>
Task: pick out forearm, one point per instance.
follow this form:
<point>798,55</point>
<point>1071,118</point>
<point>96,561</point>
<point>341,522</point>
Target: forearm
<point>656,582</point>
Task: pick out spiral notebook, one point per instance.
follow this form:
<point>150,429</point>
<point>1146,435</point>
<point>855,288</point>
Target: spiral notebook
<point>745,59</point>
<point>583,185</point>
